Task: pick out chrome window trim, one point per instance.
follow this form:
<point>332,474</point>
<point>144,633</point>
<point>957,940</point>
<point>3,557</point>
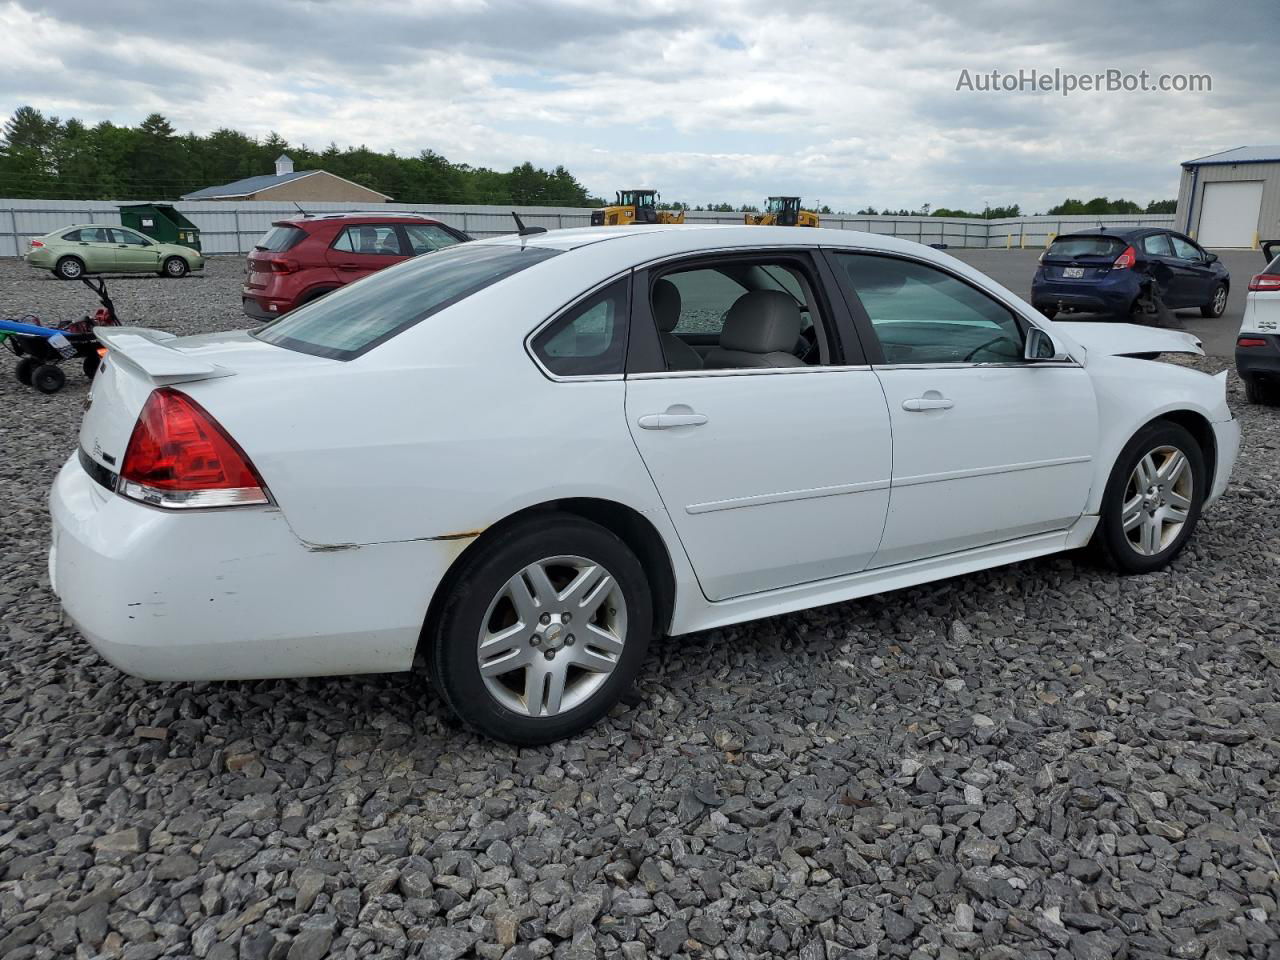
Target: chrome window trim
<point>745,372</point>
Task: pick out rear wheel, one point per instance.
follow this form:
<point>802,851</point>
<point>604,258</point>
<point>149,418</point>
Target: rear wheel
<point>1152,500</point>
<point>1049,312</point>
<point>48,378</point>
<point>1218,305</point>
<point>24,369</point>
<point>1260,391</point>
<point>69,268</point>
<point>544,630</point>
<point>175,267</point>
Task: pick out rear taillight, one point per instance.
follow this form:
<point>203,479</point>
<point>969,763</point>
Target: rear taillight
<point>180,457</point>
<point>1251,342</point>
<point>35,243</point>
<point>1125,260</point>
<point>283,265</point>
<point>1265,281</point>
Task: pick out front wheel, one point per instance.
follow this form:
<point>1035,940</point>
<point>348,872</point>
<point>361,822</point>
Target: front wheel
<point>1218,305</point>
<point>175,267</point>
<point>1152,500</point>
<point>544,630</point>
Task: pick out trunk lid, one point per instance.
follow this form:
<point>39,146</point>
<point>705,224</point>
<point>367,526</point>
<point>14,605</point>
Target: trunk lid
<point>138,360</point>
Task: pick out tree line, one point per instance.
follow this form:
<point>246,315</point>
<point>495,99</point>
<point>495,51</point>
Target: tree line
<point>44,156</point>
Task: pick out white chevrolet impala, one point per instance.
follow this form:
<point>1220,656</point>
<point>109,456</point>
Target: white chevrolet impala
<point>523,458</point>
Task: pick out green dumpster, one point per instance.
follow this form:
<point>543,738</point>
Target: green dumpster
<point>161,222</point>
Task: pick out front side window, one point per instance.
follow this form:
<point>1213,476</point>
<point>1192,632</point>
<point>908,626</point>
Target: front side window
<point>378,240</point>
<point>922,315</point>
<point>428,237</point>
<point>1184,250</point>
<point>356,318</point>
<point>590,339</point>
<point>133,239</point>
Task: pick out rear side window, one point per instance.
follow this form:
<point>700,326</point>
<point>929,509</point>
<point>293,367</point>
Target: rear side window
<point>280,238</point>
<point>377,240</point>
<point>1157,245</point>
<point>356,318</point>
<point>590,339</point>
<point>73,235</point>
<point>1087,247</point>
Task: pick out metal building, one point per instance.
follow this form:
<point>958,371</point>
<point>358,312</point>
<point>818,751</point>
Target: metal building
<point>1231,199</point>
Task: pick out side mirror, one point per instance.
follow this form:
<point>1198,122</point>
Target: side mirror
<point>1210,258</point>
<point>1041,348</point>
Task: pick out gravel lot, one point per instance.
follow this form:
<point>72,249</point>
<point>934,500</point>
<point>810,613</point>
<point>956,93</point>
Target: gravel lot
<point>1041,761</point>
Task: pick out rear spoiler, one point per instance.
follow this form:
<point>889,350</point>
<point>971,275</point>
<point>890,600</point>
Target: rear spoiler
<point>1271,249</point>
<point>146,352</point>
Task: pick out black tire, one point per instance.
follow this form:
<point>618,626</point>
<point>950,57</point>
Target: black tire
<point>1049,312</point>
<point>69,268</point>
<point>24,369</point>
<point>175,268</point>
<point>1260,391</point>
<point>48,378</point>
<point>1216,307</point>
<point>90,365</point>
<point>1110,541</point>
<point>453,638</point>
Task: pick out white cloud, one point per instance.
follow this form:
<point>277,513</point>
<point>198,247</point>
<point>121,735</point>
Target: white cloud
<point>845,103</point>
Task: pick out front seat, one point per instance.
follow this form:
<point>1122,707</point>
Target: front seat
<point>761,330</point>
<point>666,313</point>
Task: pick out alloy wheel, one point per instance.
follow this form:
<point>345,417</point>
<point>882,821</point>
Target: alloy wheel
<point>1157,500</point>
<point>552,636</point>
<point>1219,301</point>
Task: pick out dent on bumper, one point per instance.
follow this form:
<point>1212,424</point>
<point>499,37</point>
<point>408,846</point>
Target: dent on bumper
<point>1227,439</point>
<point>231,594</point>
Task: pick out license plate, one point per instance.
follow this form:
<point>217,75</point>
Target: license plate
<point>1073,273</point>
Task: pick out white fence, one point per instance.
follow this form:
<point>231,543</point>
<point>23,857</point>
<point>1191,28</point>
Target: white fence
<point>230,227</point>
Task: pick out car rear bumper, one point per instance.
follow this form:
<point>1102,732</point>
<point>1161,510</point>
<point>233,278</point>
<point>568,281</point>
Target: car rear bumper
<point>231,594</point>
<point>1259,361</point>
<point>263,308</point>
<point>1114,294</point>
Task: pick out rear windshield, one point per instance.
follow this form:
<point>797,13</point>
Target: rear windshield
<point>356,318</point>
<point>280,238</point>
<point>1087,247</point>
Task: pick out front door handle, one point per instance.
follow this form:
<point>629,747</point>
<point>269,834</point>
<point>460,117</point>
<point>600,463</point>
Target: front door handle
<point>665,421</point>
<point>920,404</point>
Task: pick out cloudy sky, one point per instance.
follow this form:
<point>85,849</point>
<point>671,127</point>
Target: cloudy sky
<point>846,103</point>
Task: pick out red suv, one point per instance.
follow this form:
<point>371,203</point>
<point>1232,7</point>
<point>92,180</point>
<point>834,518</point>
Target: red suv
<point>305,257</point>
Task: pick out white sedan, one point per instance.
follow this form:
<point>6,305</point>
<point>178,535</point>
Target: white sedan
<point>523,458</point>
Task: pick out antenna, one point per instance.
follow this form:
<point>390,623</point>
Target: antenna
<point>524,231</point>
<point>300,210</point>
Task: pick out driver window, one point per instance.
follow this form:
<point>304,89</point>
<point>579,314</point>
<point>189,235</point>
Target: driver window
<point>737,315</point>
<point>1184,250</point>
<point>923,315</point>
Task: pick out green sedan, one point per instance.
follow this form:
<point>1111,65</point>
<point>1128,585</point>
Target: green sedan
<point>92,248</point>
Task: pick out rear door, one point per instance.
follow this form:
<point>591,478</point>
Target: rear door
<point>97,248</point>
<point>771,475</point>
<point>362,249</point>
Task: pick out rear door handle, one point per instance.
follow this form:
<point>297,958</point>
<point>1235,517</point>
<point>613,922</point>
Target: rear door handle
<point>920,404</point>
<point>665,421</point>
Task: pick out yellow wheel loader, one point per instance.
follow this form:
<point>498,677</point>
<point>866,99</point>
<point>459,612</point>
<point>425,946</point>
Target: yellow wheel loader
<point>782,212</point>
<point>635,206</point>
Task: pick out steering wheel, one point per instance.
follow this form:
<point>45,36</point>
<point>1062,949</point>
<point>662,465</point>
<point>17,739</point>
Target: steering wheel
<point>982,346</point>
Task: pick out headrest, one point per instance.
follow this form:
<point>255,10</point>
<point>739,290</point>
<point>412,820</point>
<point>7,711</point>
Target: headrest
<point>666,305</point>
<point>762,321</point>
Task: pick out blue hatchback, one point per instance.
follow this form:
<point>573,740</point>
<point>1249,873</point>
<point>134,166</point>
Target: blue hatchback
<point>1126,274</point>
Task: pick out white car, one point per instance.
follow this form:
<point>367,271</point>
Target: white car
<point>523,458</point>
<point>1258,344</point>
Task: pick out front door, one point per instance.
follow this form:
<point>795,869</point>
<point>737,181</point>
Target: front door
<point>1194,277</point>
<point>134,252</point>
<point>772,459</point>
<point>986,447</point>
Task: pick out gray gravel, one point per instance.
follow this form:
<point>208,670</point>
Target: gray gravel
<point>1041,761</point>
